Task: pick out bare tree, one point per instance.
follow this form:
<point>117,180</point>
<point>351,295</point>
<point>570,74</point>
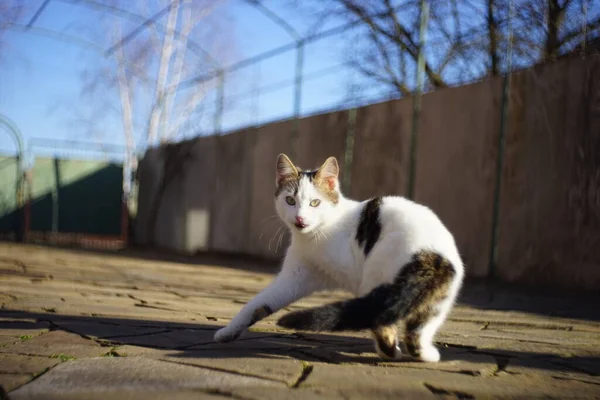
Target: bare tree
<point>466,39</point>
<point>140,83</point>
<point>11,11</point>
<point>553,27</point>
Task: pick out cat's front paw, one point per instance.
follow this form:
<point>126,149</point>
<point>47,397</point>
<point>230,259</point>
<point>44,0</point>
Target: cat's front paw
<point>226,334</point>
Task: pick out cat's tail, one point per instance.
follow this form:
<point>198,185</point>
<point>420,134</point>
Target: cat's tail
<point>421,283</point>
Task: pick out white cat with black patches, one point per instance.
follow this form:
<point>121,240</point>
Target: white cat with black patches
<point>394,255</point>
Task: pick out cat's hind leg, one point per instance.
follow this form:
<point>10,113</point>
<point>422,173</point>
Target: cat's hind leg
<point>421,327</point>
<point>386,341</point>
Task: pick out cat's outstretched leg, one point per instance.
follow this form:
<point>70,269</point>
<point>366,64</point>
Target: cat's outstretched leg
<point>294,282</point>
<point>386,342</point>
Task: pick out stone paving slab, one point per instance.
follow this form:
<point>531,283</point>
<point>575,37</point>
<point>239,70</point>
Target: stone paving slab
<point>113,376</point>
<point>57,344</point>
<point>23,364</point>
<point>84,325</point>
<point>9,382</point>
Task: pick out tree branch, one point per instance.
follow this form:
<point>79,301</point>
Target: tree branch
<point>163,70</point>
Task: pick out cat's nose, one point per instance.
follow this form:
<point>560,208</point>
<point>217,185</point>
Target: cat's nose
<point>299,220</point>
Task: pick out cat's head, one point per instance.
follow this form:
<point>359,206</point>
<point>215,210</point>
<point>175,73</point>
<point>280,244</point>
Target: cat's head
<point>304,199</point>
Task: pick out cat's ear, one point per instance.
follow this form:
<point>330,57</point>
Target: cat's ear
<point>329,172</point>
<point>285,170</point>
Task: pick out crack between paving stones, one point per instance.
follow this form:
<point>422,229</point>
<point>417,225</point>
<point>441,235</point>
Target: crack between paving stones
<point>35,355</point>
<point>155,307</point>
<point>181,296</point>
<point>519,324</point>
<point>138,335</point>
<point>324,344</point>
<point>108,340</point>
<point>36,376</point>
<point>508,339</point>
<point>173,328</point>
<point>572,367</point>
<point>132,297</point>
<point>99,341</point>
<point>18,263</point>
<point>458,346</point>
<point>314,357</point>
<point>561,378</point>
<point>187,346</point>
<point>404,365</point>
<point>223,393</point>
<point>13,373</point>
<point>306,370</point>
<point>217,369</point>
<point>444,392</point>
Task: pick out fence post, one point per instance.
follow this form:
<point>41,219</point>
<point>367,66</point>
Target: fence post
<point>417,99</point>
<point>297,95</point>
<point>349,151</point>
<point>501,149</point>
<point>55,209</point>
<point>220,100</point>
<point>294,34</point>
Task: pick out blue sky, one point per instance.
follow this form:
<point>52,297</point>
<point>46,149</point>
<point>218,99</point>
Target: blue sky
<point>40,83</point>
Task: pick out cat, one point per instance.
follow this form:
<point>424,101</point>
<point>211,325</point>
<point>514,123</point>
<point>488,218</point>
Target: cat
<point>395,255</point>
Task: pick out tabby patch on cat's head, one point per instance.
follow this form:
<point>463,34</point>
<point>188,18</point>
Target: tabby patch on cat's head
<point>325,178</point>
<point>303,197</point>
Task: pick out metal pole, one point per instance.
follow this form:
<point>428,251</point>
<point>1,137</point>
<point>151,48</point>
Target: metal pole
<point>220,101</point>
<point>501,149</point>
<point>294,34</point>
<point>217,137</point>
<point>55,209</point>
<point>349,154</point>
<point>417,99</point>
<point>297,95</point>
<point>584,12</point>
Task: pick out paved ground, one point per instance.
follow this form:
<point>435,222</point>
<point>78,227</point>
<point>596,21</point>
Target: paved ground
<point>82,325</point>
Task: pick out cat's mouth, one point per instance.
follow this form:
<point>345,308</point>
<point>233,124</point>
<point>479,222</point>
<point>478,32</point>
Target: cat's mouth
<point>300,225</point>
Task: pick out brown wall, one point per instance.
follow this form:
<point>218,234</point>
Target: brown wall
<point>269,141</point>
<point>456,165</point>
<point>549,225</point>
<point>231,205</point>
<point>380,164</point>
<point>198,181</point>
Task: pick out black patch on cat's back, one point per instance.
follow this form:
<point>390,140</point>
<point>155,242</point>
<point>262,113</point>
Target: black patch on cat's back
<point>369,226</point>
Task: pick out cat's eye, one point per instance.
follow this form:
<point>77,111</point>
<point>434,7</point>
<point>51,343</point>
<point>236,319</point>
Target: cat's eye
<point>315,203</point>
<point>290,200</point>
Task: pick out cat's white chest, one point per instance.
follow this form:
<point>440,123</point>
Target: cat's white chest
<point>338,258</point>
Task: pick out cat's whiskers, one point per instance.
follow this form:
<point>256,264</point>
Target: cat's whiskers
<point>280,240</point>
<point>274,222</point>
<point>273,237</point>
<point>323,233</point>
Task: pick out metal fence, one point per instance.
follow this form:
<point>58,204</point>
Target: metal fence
<point>68,192</point>
<point>294,72</point>
<point>231,106</point>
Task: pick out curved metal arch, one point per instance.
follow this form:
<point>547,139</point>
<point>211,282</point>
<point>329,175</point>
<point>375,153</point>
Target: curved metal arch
<point>15,132</point>
<point>20,186</point>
